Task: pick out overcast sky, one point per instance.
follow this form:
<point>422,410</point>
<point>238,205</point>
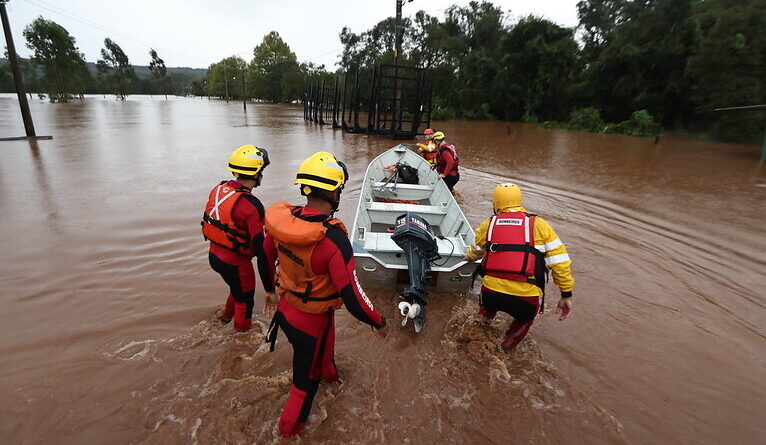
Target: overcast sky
<point>197,33</point>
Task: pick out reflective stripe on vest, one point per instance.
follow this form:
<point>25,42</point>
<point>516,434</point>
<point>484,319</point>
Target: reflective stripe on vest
<point>214,213</point>
<point>218,225</point>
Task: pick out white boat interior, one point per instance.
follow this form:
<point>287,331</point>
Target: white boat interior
<point>383,198</point>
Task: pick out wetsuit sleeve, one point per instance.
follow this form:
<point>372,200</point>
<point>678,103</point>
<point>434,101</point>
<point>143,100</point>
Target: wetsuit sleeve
<point>476,251</point>
<point>449,163</point>
<point>343,275</point>
<point>269,262</point>
<point>255,222</point>
<point>556,256</point>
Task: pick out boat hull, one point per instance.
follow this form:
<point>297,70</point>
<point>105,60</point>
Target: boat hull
<point>380,263</point>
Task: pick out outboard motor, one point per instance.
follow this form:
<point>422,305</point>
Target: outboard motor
<point>414,235</point>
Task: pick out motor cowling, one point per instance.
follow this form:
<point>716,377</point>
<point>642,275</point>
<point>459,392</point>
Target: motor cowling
<point>414,236</point>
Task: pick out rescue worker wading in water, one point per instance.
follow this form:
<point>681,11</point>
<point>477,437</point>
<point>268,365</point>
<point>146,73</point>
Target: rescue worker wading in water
<point>233,223</point>
<point>516,247</point>
<point>428,150</point>
<point>315,276</point>
<point>446,160</point>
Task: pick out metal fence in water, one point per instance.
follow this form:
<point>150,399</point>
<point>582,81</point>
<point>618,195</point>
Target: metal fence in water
<point>391,101</point>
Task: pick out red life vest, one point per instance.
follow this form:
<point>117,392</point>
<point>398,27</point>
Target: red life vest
<point>440,163</point>
<point>510,252</point>
<point>217,223</point>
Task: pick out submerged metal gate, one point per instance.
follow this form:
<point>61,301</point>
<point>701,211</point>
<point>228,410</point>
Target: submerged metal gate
<point>392,101</point>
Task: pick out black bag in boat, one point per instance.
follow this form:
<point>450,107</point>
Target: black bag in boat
<point>407,174</point>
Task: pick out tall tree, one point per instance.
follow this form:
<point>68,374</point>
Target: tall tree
<point>115,66</point>
<point>642,64</point>
<point>159,72</point>
<point>729,67</point>
<point>55,51</point>
<point>224,78</point>
<point>537,59</point>
<point>272,59</point>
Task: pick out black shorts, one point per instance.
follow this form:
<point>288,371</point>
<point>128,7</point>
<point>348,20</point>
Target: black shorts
<point>451,180</point>
<point>510,304</point>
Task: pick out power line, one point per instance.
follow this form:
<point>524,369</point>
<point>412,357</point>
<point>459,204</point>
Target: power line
<point>56,10</point>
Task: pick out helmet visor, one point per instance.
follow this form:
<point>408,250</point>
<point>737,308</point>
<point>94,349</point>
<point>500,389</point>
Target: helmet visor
<point>345,174</point>
<point>265,155</point>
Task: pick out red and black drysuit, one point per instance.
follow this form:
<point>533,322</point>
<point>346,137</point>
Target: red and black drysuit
<point>447,164</point>
<point>312,335</point>
<point>236,266</point>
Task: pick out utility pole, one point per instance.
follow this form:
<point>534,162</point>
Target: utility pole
<point>244,96</point>
<point>398,31</point>
<point>226,81</point>
<point>29,126</point>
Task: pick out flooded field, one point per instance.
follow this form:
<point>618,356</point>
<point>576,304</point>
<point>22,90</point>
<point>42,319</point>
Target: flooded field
<point>108,332</point>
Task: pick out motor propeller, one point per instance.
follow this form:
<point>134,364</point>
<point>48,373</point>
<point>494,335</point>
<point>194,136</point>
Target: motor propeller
<point>414,236</point>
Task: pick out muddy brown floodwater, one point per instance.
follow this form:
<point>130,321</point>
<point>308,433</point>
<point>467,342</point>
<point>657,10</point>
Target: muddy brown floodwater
<point>108,331</point>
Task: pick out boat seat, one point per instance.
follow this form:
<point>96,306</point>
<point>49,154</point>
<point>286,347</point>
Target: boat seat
<point>413,192</point>
<point>399,208</point>
<point>382,242</point>
<point>380,184</point>
<point>387,212</point>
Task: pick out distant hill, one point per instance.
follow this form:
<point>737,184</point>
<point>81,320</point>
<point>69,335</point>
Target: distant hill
<point>181,80</point>
<point>143,70</point>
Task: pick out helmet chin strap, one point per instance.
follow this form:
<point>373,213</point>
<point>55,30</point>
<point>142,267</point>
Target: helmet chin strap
<point>324,196</point>
<point>335,204</point>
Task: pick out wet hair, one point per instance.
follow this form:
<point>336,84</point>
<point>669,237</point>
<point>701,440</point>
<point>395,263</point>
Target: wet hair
<point>245,177</point>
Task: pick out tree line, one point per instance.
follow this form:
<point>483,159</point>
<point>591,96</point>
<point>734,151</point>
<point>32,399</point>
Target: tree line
<point>629,66</point>
<point>636,64</point>
<point>58,69</point>
<point>272,75</point>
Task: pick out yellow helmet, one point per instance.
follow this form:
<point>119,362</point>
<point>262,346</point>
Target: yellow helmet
<point>323,171</point>
<point>248,160</point>
<point>438,136</point>
<point>505,196</point>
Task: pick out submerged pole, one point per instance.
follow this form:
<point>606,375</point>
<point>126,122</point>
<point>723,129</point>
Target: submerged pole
<point>29,126</point>
<point>763,150</point>
<point>244,95</point>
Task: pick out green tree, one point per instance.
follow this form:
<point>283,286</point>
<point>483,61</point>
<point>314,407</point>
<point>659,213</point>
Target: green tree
<point>537,62</point>
<point>272,61</point>
<point>64,71</point>
<point>729,67</point>
<point>224,78</point>
<point>642,63</point>
<point>115,67</point>
<point>6,79</point>
<point>159,72</point>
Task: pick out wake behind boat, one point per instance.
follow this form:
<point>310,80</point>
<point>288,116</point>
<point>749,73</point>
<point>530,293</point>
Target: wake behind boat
<point>410,230</point>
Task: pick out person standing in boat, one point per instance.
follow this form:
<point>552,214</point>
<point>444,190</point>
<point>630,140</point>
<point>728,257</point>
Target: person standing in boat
<point>316,276</point>
<point>233,223</point>
<point>447,160</point>
<point>516,249</point>
<point>428,150</point>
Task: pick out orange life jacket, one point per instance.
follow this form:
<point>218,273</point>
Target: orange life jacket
<point>430,156</point>
<point>217,223</point>
<point>295,240</point>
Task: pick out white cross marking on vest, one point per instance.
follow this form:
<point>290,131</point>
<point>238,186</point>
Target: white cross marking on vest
<point>214,213</point>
